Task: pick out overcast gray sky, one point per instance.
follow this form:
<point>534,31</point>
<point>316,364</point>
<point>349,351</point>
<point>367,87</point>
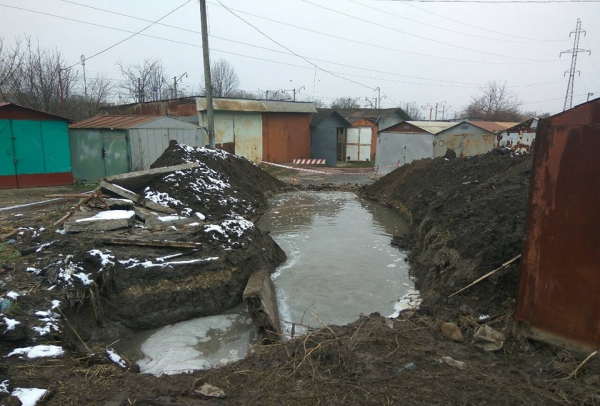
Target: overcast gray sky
<point>414,51</point>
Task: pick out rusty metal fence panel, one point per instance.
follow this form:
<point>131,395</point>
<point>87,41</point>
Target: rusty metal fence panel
<point>559,289</point>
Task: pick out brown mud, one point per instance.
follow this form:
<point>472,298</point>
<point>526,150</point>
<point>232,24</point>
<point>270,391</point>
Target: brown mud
<point>467,217</point>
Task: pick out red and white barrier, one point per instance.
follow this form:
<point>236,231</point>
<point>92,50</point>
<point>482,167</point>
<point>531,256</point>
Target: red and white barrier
<point>309,162</point>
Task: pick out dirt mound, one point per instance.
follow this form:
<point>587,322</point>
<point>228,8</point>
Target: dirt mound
<point>467,216</point>
<point>222,184</point>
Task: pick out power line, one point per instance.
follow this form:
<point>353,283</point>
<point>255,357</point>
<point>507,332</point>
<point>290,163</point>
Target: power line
<point>288,49</point>
<point>459,84</point>
<point>467,24</point>
<point>131,36</point>
<point>415,35</point>
<point>448,29</point>
<point>313,31</point>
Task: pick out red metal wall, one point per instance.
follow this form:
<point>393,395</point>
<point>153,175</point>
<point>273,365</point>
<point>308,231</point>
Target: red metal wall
<point>14,112</point>
<point>286,136</point>
<point>559,289</point>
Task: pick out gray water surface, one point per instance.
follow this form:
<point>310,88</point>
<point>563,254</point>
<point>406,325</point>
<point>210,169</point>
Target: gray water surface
<point>340,264</point>
<point>340,261</point>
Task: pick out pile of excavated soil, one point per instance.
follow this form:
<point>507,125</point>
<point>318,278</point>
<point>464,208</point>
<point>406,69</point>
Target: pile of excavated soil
<point>222,184</point>
<point>467,218</point>
<point>75,292</point>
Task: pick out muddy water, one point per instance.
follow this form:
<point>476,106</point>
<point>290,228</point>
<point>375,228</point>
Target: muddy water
<point>340,264</point>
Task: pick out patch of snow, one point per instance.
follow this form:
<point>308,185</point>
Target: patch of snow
<point>39,351</point>
<point>193,224</point>
<point>61,231</point>
<point>150,264</point>
<point>173,228</point>
<point>10,323</point>
<point>110,215</point>
<point>55,304</point>
<point>161,259</point>
<point>4,386</point>
<point>42,246</point>
<point>484,317</point>
<point>200,216</point>
<point>84,278</point>
<point>164,219</point>
<point>34,270</point>
<point>29,396</point>
<point>18,215</point>
<point>186,212</point>
<point>161,198</point>
<point>116,358</point>
<point>13,295</point>
<point>411,300</point>
<point>105,258</point>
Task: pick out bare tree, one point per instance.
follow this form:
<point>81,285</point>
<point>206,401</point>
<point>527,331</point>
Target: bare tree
<point>10,61</point>
<point>494,103</point>
<point>145,81</point>
<point>318,103</point>
<point>82,106</point>
<point>414,111</point>
<point>225,81</point>
<point>34,82</point>
<point>345,103</point>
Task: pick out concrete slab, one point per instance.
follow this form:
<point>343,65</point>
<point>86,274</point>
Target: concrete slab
<point>99,221</point>
<point>128,194</point>
<point>261,299</point>
<point>140,179</point>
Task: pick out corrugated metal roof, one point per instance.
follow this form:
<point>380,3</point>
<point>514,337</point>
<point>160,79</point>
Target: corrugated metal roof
<point>258,106</point>
<point>353,115</point>
<point>323,114</point>
<point>114,122</point>
<point>493,126</point>
<point>433,127</point>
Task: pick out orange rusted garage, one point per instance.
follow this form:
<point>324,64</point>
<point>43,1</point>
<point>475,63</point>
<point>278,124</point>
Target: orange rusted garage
<point>286,136</point>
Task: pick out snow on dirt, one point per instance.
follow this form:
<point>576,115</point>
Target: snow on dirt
<point>10,323</point>
<point>39,351</point>
<point>116,358</point>
<point>29,396</point>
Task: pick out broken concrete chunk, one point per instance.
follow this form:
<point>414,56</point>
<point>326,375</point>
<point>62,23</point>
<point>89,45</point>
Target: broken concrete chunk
<point>261,300</point>
<point>488,339</point>
<point>99,221</point>
<point>452,331</point>
<point>114,203</point>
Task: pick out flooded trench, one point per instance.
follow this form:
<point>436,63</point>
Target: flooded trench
<point>340,264</point>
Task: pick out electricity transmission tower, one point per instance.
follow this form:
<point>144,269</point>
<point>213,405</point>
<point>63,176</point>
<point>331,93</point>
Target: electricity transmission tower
<point>577,31</point>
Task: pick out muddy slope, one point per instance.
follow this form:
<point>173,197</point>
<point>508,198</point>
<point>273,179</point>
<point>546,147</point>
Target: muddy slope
<point>467,218</point>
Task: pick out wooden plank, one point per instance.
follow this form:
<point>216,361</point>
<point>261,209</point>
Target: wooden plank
<point>128,194</point>
<point>152,243</point>
<point>89,197</point>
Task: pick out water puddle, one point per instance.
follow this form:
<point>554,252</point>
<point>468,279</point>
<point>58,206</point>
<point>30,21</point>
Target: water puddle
<point>340,264</point>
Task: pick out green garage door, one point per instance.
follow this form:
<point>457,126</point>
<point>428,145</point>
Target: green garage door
<point>29,148</point>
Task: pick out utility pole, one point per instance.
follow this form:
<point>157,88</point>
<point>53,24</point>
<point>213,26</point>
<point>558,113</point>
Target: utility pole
<point>378,97</point>
<point>175,80</point>
<point>577,31</point>
<point>298,90</point>
<point>589,94</point>
<point>436,108</point>
<point>62,95</point>
<point>84,78</point>
<point>207,78</point>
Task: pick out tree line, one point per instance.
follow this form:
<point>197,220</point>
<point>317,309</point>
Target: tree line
<point>32,76</point>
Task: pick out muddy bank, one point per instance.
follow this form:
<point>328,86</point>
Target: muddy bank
<point>467,218</point>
